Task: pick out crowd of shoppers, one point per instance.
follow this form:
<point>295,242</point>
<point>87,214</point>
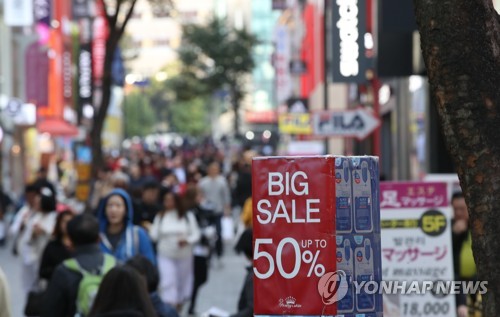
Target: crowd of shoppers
<point>153,226</point>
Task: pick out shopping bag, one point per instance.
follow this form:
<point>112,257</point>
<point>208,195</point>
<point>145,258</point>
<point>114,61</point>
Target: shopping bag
<point>227,225</point>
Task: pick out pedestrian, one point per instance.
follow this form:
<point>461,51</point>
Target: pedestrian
<point>122,293</point>
<point>59,248</point>
<point>66,294</point>
<point>43,181</point>
<point>144,267</point>
<point>463,259</point>
<point>175,230</point>
<point>215,190</point>
<point>23,214</point>
<point>245,303</point>
<point>35,232</point>
<point>148,206</point>
<point>247,213</point>
<point>5,205</point>
<point>202,250</point>
<point>5,310</point>
<point>119,236</point>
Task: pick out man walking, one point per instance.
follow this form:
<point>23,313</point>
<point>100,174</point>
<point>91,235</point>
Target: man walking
<point>216,195</point>
<point>62,292</point>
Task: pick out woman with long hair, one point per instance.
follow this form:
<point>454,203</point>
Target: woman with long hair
<point>122,293</point>
<point>59,248</point>
<point>176,231</point>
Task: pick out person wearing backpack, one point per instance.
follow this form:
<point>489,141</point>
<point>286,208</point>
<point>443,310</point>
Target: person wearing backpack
<point>75,282</point>
<point>119,236</point>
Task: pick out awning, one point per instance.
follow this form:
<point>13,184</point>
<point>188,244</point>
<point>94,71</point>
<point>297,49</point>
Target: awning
<point>57,127</point>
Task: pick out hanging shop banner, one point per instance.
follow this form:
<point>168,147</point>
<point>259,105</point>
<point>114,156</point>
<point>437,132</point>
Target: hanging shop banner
<point>83,169</point>
<point>85,75</point>
<point>18,12</point>
<point>295,123</point>
<point>349,27</point>
<point>417,249</point>
<point>282,58</point>
<point>307,209</point>
<point>42,9</point>
<point>37,75</point>
<point>81,9</point>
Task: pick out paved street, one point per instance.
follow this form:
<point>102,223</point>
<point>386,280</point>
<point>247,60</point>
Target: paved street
<point>222,290</point>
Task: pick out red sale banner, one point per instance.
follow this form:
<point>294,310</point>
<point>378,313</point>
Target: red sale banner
<point>294,235</point>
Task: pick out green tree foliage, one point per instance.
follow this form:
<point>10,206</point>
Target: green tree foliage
<point>215,57</point>
<point>190,117</point>
<point>139,116</point>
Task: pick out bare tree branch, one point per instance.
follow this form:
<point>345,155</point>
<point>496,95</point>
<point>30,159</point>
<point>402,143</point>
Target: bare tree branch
<point>127,18</point>
<point>114,18</point>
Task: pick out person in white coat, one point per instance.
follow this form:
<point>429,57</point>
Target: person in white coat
<point>36,224</point>
<point>175,231</point>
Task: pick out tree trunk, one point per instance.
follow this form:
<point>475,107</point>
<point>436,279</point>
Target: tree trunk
<point>236,97</point>
<point>461,49</point>
<point>101,112</point>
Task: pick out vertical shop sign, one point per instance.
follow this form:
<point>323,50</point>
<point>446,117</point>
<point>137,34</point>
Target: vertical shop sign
<point>349,27</point>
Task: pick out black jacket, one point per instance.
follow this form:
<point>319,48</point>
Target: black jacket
<point>54,254</point>
<point>60,298</point>
<point>245,304</point>
<point>120,313</point>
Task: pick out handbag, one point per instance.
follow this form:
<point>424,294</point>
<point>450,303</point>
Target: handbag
<point>34,303</point>
<point>35,299</point>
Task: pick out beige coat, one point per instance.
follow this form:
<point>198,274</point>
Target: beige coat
<point>4,296</point>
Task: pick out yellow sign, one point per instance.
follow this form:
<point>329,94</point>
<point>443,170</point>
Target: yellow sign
<point>82,191</point>
<point>83,171</point>
<point>295,123</point>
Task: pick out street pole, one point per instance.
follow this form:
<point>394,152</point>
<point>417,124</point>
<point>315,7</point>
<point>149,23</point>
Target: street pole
<point>326,17</point>
<point>375,83</point>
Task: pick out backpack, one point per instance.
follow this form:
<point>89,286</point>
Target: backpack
<point>89,284</point>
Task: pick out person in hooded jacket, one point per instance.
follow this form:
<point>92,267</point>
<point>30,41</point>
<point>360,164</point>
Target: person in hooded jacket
<point>119,236</point>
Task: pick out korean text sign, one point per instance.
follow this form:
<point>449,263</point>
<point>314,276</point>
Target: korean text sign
<point>294,234</point>
<point>416,245</point>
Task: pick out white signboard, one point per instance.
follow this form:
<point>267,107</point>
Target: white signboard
<point>357,123</point>
<point>18,12</point>
<point>417,248</point>
<point>282,64</point>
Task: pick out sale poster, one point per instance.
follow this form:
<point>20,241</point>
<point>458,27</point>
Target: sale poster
<point>316,236</point>
<point>416,247</point>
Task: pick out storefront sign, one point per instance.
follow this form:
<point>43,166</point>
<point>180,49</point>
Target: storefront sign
<point>349,28</point>
<point>295,123</point>
<point>416,247</point>
<point>358,123</point>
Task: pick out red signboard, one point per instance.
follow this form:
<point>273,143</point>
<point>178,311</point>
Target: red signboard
<point>294,235</point>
